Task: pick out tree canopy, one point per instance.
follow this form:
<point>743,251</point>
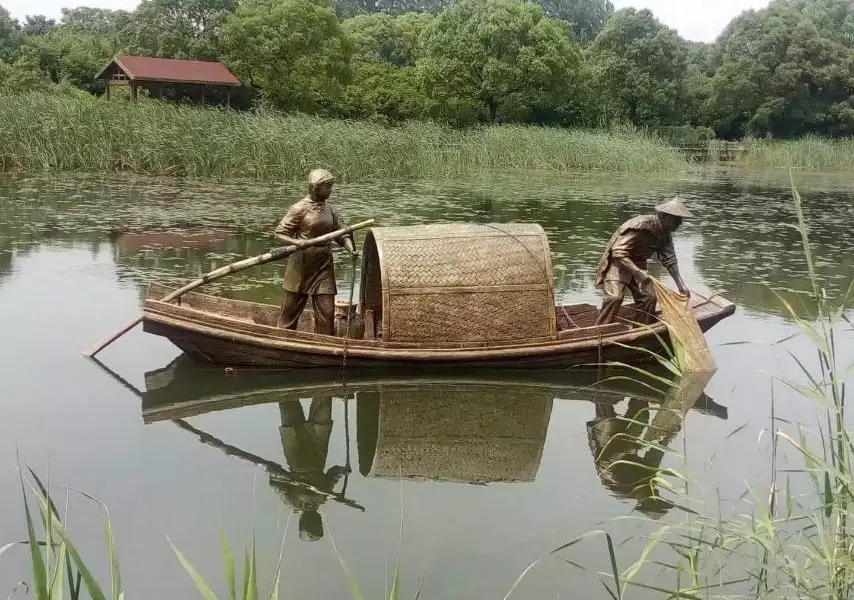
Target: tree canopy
<point>10,35</point>
<point>783,71</point>
<point>490,58</point>
<point>295,50</point>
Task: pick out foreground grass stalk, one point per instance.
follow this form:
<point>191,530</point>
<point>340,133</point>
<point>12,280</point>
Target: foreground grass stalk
<point>249,589</point>
<point>55,558</point>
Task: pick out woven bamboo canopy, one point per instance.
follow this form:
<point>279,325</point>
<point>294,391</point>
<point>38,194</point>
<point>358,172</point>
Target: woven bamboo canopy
<point>459,283</point>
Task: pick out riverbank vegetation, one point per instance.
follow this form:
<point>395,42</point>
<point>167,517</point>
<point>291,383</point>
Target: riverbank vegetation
<point>76,131</point>
<point>808,153</point>
<point>782,72</point>
<point>44,132</point>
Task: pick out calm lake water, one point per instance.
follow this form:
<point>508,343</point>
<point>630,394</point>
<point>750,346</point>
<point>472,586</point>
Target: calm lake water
<point>501,468</point>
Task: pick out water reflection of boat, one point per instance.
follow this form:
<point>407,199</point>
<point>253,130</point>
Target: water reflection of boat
<point>445,427</point>
<point>473,429</point>
<point>185,389</point>
<point>472,296</point>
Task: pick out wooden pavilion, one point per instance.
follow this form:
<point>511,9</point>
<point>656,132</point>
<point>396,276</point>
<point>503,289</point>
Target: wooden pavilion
<point>191,79</point>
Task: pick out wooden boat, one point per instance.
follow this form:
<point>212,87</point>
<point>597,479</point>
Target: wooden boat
<point>451,295</point>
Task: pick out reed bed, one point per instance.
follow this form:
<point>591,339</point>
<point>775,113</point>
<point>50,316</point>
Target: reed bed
<point>40,132</point>
<point>808,153</point>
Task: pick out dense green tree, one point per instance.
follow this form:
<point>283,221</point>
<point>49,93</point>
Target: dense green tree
<point>701,56</point>
<point>10,35</point>
<point>189,29</point>
<point>295,50</point>
<point>380,37</point>
<point>779,74</point>
<point>382,92</point>
<point>587,17</point>
<point>96,21</point>
<point>23,74</point>
<point>639,66</point>
<point>385,84</point>
<point>346,9</point>
<point>490,58</point>
<point>35,25</point>
<point>66,55</point>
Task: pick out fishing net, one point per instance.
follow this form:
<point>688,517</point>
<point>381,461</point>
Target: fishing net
<point>677,401</point>
<point>689,344</point>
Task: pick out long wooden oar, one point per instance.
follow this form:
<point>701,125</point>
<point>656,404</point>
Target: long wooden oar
<point>276,471</point>
<point>270,256</point>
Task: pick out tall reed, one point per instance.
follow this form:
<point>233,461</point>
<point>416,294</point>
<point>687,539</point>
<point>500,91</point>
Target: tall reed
<point>40,132</point>
<point>807,153</point>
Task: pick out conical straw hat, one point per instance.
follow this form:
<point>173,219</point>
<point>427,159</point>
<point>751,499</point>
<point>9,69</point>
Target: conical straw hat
<point>675,207</point>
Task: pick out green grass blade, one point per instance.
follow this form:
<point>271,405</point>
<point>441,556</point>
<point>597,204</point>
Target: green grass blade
<point>274,591</point>
<point>203,587</point>
<point>75,579</point>
<point>56,590</point>
<point>609,590</point>
<point>352,583</point>
<point>112,554</point>
<point>228,564</point>
<point>612,555</point>
<point>36,560</point>
<point>246,573</point>
<point>253,576</point>
<point>88,579</point>
<point>828,496</point>
<point>395,582</point>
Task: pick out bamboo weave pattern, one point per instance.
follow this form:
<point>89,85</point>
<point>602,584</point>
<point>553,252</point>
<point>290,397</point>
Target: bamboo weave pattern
<point>461,283</point>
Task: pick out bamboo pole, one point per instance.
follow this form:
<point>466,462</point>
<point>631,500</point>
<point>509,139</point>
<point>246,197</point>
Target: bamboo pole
<point>275,470</point>
<point>275,254</point>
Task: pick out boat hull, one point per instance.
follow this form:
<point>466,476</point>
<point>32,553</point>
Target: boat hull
<point>235,333</point>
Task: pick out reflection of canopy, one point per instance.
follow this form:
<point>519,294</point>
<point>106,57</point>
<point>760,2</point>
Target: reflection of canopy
<point>452,433</point>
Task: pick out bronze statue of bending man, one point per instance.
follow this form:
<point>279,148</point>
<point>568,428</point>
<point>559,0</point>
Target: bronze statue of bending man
<point>624,262</point>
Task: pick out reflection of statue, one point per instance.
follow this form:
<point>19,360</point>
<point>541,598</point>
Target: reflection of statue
<point>628,450</point>
<point>305,443</point>
<point>616,446</point>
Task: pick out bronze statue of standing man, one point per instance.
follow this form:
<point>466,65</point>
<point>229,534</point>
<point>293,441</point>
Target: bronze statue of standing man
<point>623,265</point>
<point>310,272</point>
